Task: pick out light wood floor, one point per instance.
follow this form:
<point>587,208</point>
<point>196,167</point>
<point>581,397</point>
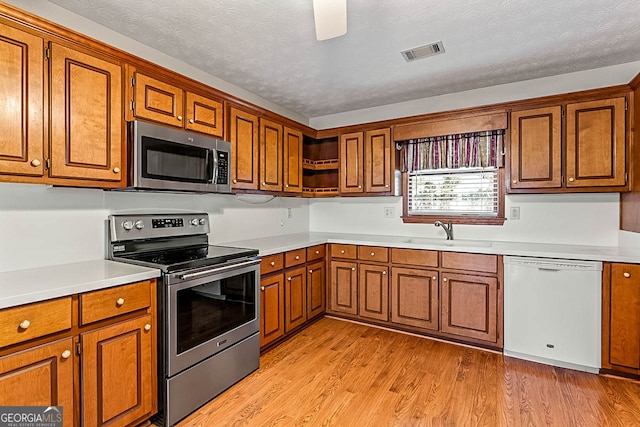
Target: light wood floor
<point>338,373</point>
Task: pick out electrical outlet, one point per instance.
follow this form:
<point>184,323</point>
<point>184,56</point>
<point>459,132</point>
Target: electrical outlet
<point>389,212</point>
<point>514,213</point>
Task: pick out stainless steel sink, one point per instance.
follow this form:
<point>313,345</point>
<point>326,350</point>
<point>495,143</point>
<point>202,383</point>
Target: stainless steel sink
<point>449,243</point>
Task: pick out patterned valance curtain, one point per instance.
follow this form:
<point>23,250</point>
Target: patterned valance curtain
<point>465,150</point>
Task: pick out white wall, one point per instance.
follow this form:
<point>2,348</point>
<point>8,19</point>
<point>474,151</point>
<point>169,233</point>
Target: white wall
<point>42,225</point>
<point>586,219</point>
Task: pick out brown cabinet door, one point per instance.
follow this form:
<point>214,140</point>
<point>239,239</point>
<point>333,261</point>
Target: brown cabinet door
<point>271,308</point>
<point>21,103</point>
<point>377,161</point>
<point>86,116</point>
<point>316,285</point>
<point>42,376</point>
<point>292,159</point>
<point>270,155</point>
<point>596,143</point>
<point>351,164</point>
<point>624,317</point>
<point>295,298</point>
<point>414,297</point>
<point>158,101</point>
<point>469,306</point>
<point>344,287</point>
<point>117,373</point>
<point>243,135</point>
<point>204,115</point>
<point>373,290</point>
<point>536,148</point>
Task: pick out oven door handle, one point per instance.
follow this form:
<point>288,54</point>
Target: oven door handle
<point>217,270</point>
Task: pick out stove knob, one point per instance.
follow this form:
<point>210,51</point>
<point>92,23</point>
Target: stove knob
<point>127,225</point>
<point>194,221</point>
<point>139,224</point>
<point>202,221</point>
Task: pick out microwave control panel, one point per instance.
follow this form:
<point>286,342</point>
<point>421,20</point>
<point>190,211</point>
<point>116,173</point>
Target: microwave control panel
<point>223,168</point>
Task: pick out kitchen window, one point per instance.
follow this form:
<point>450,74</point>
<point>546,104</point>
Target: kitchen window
<point>457,177</point>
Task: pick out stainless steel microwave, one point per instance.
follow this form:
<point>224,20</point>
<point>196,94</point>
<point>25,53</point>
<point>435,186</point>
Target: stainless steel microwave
<point>165,159</point>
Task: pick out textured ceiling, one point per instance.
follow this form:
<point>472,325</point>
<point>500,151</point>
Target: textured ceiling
<point>268,47</point>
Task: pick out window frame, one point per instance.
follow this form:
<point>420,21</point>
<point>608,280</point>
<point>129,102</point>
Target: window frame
<point>455,219</point>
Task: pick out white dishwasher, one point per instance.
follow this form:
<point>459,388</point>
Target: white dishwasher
<point>552,311</point>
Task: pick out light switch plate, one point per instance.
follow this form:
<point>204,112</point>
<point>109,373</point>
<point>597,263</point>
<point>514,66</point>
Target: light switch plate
<point>514,213</point>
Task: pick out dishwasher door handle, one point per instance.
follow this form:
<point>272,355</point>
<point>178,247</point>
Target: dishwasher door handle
<point>548,269</point>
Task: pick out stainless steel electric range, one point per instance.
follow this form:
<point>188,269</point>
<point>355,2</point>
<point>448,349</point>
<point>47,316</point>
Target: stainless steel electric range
<point>208,306</point>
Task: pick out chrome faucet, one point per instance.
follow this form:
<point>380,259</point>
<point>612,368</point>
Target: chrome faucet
<point>447,228</point>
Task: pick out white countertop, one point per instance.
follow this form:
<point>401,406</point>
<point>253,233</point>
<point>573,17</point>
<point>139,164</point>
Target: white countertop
<point>272,245</point>
<point>38,284</point>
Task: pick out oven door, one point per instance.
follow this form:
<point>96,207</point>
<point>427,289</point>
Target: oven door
<point>209,311</point>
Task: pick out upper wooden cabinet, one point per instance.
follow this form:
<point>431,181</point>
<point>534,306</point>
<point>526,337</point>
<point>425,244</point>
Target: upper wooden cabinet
<point>596,137</point>
<point>377,161</point>
<point>270,155</point>
<point>535,148</point>
<point>86,116</point>
<point>22,102</point>
<point>292,161</point>
<point>592,156</point>
<point>86,140</point>
<point>159,101</point>
<point>243,135</point>
<point>365,162</point>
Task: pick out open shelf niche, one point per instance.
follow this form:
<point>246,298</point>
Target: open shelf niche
<point>320,167</point>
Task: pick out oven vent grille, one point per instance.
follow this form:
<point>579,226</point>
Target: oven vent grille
<point>420,52</point>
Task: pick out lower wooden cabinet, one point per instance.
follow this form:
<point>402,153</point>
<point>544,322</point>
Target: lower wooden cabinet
<point>414,297</point>
<point>292,292</point>
<point>469,305</point>
<point>344,287</point>
<point>271,309</point>
<point>117,373</point>
<point>102,372</point>
<point>316,285</point>
<point>40,376</point>
<point>373,292</point>
<point>295,299</point>
<point>621,318</point>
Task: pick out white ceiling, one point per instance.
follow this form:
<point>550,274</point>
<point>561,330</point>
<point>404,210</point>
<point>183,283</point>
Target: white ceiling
<point>268,47</point>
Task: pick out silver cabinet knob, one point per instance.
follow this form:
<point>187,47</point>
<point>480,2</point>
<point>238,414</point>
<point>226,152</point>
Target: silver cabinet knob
<point>179,118</point>
<point>310,271</point>
<point>147,327</point>
<point>25,324</point>
<point>342,251</point>
<point>515,181</point>
<point>120,302</point>
<point>235,181</point>
<point>386,185</point>
<point>116,170</point>
<point>66,354</point>
<point>317,252</point>
<point>264,183</point>
<point>571,179</point>
<point>373,254</point>
<point>272,263</point>
<point>353,269</point>
<point>444,280</point>
<point>289,278</point>
<point>627,275</point>
<point>191,121</point>
<point>359,186</point>
<point>434,278</point>
<point>384,273</point>
<point>262,288</point>
<point>286,185</point>
<point>297,257</point>
<point>35,163</point>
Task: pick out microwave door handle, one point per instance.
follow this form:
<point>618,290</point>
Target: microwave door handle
<point>215,166</point>
<point>212,165</point>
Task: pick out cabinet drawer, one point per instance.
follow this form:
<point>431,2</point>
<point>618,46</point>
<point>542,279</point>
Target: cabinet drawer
<point>474,262</point>
<point>271,263</point>
<point>315,252</point>
<point>297,257</point>
<point>31,321</point>
<point>343,251</point>
<point>373,253</point>
<point>417,257</point>
<point>105,303</point>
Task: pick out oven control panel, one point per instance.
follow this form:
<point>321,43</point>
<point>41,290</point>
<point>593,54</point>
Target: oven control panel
<point>149,226</point>
<point>167,222</point>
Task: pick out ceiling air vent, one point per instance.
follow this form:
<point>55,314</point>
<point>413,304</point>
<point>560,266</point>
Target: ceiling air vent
<point>423,51</point>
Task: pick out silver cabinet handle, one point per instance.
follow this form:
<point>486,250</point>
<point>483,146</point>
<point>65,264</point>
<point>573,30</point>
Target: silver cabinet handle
<point>627,275</point>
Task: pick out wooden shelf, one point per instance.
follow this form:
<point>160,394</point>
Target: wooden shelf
<point>320,192</point>
<point>318,165</point>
